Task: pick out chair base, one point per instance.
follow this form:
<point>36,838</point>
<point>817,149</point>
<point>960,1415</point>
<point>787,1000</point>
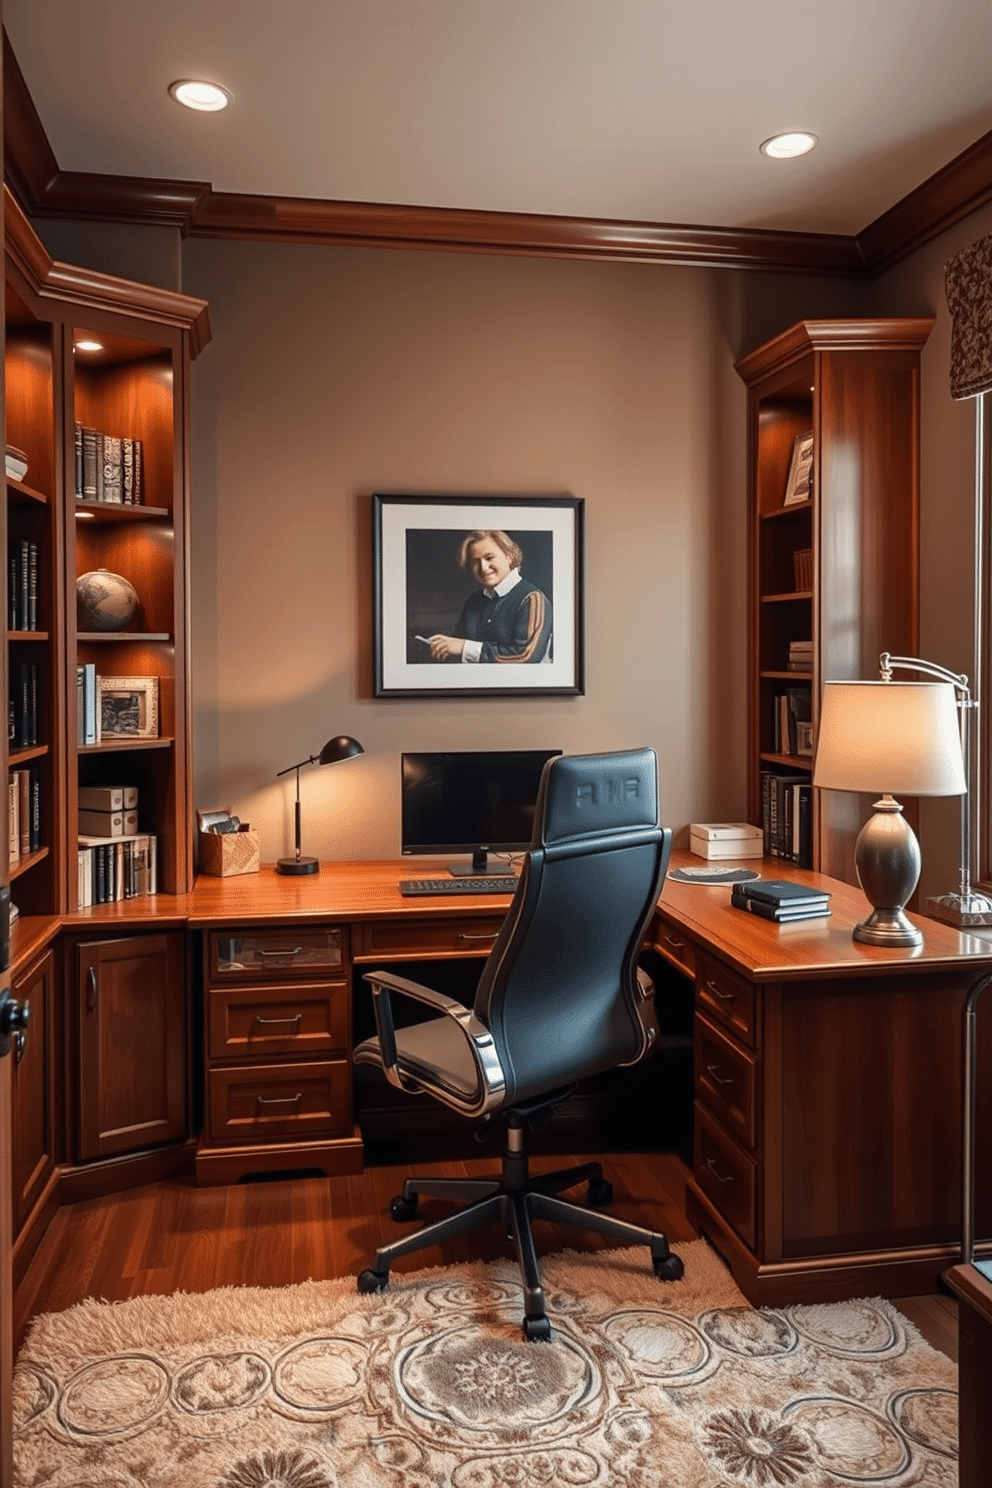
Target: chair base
<point>515,1200</point>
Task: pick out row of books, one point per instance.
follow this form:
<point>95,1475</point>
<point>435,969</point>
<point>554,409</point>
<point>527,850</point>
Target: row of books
<point>22,705</point>
<point>787,818</point>
<point>116,868</point>
<point>24,813</point>
<point>802,568</point>
<point>108,467</point>
<point>777,899</point>
<point>22,585</point>
<point>793,727</point>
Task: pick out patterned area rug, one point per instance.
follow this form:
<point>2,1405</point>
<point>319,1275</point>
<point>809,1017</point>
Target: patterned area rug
<point>646,1385</point>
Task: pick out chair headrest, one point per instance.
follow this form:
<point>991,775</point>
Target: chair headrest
<point>593,795</point>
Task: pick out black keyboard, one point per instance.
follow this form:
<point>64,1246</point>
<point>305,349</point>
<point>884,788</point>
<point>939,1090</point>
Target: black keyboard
<point>486,885</point>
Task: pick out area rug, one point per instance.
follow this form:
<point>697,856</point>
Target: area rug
<point>646,1384</point>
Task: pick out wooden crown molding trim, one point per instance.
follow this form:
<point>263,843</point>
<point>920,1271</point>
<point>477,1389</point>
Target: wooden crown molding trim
<point>92,290</point>
<point>196,210</point>
<point>893,333</point>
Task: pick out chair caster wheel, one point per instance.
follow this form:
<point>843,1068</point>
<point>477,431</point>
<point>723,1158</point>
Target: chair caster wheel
<point>537,1330</point>
<point>600,1192</point>
<point>373,1281</point>
<point>670,1269</point>
<point>402,1209</point>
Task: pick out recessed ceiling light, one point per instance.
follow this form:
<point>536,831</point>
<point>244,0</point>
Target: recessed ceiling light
<point>195,94</point>
<point>88,345</point>
<point>788,146</point>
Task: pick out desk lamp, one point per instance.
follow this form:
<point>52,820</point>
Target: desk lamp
<point>889,737</point>
<point>334,750</point>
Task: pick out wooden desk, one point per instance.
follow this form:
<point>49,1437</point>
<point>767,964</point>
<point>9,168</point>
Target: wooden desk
<point>828,1074</point>
<point>827,1157</point>
<point>974,1293</point>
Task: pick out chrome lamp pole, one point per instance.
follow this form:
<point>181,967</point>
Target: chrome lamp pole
<point>965,907</point>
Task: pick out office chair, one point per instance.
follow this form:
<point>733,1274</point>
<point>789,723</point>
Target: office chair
<point>561,997</point>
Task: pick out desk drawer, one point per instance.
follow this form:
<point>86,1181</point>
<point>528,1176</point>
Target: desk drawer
<point>676,947</point>
<point>301,1019</point>
<point>726,1081</point>
<point>271,1102</point>
<point>728,998</point>
<point>312,951</point>
<point>727,1176</point>
<point>433,935</point>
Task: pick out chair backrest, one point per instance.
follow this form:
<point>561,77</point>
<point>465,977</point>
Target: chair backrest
<point>559,991</point>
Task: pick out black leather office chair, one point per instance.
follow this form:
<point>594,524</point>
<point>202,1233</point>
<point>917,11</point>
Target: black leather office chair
<point>561,997</point>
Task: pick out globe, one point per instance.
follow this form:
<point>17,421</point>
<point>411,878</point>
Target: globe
<point>104,600</point>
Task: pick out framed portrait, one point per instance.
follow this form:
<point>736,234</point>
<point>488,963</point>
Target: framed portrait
<point>478,595</point>
<point>797,486</point>
<point>128,707</point>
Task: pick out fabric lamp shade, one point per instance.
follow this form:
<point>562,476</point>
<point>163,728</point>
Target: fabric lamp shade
<point>900,738</point>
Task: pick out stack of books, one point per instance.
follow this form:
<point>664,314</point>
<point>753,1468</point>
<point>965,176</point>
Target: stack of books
<point>800,656</point>
<point>777,899</point>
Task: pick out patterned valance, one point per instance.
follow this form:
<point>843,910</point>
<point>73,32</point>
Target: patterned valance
<point>968,283</point>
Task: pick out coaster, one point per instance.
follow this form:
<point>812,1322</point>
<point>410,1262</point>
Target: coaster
<point>714,875</point>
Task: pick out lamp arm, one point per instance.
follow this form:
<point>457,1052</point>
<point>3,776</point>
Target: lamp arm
<point>888,663</point>
<point>310,759</point>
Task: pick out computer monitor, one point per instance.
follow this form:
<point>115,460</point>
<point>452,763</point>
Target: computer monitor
<point>470,801</point>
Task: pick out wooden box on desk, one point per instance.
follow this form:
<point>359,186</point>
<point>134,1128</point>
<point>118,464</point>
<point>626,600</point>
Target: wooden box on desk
<point>226,854</point>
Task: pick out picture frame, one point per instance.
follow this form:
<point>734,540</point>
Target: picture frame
<point>128,707</point>
<point>442,629</point>
<point>797,487</point>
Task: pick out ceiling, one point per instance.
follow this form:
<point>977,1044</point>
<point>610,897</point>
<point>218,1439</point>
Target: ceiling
<point>643,111</point>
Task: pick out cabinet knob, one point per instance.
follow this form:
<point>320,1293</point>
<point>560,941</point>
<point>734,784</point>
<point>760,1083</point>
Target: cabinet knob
<point>14,1019</point>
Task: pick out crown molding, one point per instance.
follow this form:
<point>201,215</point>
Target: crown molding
<point>196,210</point>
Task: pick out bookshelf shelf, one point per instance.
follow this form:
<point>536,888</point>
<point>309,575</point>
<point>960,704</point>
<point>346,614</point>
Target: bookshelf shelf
<point>855,385</point>
<point>108,511</point>
<point>26,863</point>
<point>129,746</point>
<point>115,637</point>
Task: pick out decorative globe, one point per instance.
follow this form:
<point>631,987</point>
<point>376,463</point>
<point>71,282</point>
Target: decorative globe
<point>104,600</point>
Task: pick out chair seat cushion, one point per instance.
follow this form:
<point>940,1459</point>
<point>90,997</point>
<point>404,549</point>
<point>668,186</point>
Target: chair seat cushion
<point>435,1053</point>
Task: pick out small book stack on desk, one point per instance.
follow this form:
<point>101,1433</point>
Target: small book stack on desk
<point>776,899</point>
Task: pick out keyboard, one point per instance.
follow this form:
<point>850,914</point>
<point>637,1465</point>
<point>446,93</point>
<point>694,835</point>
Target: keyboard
<point>487,885</point>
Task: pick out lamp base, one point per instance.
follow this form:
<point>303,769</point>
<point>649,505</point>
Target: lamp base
<point>298,866</point>
<point>961,909</point>
<point>888,927</point>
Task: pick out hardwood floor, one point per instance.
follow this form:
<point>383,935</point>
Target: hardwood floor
<point>173,1236</point>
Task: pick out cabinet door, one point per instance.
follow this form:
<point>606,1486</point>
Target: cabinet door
<point>131,1024</point>
<point>34,1106</point>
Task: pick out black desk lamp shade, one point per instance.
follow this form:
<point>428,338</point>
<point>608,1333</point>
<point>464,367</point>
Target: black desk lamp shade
<point>341,748</point>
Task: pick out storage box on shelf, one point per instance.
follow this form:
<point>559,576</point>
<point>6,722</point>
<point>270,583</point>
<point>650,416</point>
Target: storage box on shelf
<point>834,575</point>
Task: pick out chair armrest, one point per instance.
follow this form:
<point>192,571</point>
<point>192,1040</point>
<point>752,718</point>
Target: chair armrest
<point>492,1081</point>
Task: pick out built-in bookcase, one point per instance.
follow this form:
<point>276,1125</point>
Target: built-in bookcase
<point>834,576</point>
<point>131,384</point>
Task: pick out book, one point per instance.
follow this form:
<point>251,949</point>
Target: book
<point>782,892</point>
<point>13,824</point>
<point>108,797</point>
<point>24,810</point>
<point>88,438</point>
<point>35,811</point>
<point>797,487</point>
<point>112,469</point>
<point>768,911</point>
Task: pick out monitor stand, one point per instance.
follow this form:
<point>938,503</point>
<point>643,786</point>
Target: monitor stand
<point>480,867</point>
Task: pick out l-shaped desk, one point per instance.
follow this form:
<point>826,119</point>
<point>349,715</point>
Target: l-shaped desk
<point>828,1110</point>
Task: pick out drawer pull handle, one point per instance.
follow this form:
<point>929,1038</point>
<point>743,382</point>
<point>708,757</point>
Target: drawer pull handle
<point>298,1018</point>
<point>287,951</point>
<point>720,1177</point>
<point>91,989</point>
<point>712,1070</point>
<point>724,996</point>
<point>676,945</point>
<point>462,935</point>
<point>280,1100</point>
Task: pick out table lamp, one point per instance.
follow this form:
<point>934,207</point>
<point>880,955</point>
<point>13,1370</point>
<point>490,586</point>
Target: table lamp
<point>334,750</point>
<point>889,738</point>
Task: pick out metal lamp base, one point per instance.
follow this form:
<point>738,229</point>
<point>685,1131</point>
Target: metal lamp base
<point>298,866</point>
<point>962,910</point>
<point>887,861</point>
